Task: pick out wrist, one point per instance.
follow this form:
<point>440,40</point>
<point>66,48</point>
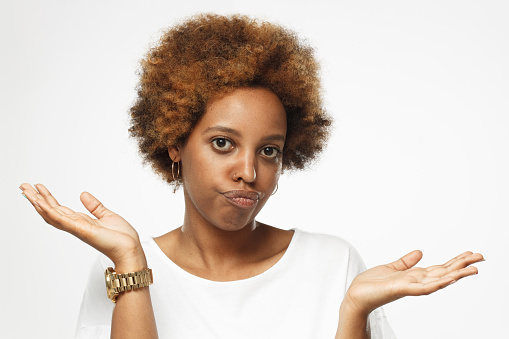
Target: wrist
<point>352,309</point>
<point>116,282</point>
<point>353,323</point>
<point>134,262</point>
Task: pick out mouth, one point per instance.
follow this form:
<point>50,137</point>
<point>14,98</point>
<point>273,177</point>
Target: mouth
<point>242,198</point>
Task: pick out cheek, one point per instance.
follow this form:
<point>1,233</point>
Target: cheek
<point>268,174</point>
<point>201,169</point>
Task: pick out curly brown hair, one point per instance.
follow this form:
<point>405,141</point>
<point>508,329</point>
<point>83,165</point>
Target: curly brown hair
<point>208,55</point>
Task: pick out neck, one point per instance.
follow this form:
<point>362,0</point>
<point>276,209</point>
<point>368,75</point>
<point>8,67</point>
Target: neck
<point>215,248</point>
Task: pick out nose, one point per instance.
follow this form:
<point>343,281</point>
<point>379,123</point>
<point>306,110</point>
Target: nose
<point>245,168</point>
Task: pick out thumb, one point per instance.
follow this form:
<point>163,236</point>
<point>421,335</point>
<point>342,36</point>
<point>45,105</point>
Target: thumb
<point>407,261</point>
<point>94,206</point>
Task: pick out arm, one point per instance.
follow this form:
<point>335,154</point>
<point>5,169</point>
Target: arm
<point>352,324</point>
<point>386,283</point>
<point>133,316</point>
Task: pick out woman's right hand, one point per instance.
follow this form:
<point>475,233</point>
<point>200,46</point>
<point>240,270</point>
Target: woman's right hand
<point>109,233</point>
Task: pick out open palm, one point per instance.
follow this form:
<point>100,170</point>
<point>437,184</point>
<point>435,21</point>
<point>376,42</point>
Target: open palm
<point>109,233</point>
<point>386,283</point>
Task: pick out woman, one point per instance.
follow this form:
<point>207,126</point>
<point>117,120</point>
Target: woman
<point>224,105</point>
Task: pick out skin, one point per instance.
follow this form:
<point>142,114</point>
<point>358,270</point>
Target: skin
<point>383,284</point>
<point>235,147</point>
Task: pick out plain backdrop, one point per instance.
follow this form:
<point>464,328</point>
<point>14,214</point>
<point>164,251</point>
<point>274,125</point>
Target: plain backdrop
<point>419,157</point>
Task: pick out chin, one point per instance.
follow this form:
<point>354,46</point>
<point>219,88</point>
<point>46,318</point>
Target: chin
<point>229,218</point>
<point>233,225</point>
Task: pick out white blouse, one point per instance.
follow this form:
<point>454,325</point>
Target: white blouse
<point>298,297</point>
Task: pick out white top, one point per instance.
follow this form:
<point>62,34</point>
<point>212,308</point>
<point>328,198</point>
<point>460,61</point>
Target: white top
<point>298,297</point>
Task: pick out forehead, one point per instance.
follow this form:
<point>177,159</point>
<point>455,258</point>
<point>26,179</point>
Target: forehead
<point>246,109</point>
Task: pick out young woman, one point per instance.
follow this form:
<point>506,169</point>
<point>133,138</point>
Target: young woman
<point>224,105</point>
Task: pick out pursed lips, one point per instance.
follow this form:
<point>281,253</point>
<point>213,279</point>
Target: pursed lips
<point>242,198</point>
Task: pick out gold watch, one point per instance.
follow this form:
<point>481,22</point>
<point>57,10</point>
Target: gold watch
<point>116,283</point>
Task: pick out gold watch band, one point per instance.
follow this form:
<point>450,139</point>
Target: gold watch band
<point>116,283</point>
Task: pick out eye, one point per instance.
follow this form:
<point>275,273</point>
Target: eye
<point>222,144</point>
<point>270,152</point>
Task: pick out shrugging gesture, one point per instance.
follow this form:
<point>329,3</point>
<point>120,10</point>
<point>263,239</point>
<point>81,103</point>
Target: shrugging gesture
<point>109,233</point>
<point>383,284</point>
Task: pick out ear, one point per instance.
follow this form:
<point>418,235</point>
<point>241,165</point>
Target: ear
<point>174,153</point>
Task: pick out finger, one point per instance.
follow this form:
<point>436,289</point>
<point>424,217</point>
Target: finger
<point>38,201</point>
<point>463,260</point>
<point>407,261</point>
<point>74,224</point>
<point>431,287</point>
<point>28,188</point>
<point>466,261</point>
<point>94,206</point>
<point>64,210</point>
<point>34,193</point>
<point>34,200</point>
<point>31,197</point>
<point>454,275</point>
<point>436,267</point>
<point>463,272</point>
<point>47,195</point>
<point>57,218</point>
<point>94,235</point>
<point>464,254</point>
<point>44,194</point>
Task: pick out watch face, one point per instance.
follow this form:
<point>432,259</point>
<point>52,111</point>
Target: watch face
<point>108,274</point>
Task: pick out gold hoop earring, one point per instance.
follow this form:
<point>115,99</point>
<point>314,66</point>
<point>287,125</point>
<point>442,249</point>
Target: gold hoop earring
<point>277,187</point>
<point>173,170</point>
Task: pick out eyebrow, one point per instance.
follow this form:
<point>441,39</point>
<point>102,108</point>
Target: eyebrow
<point>272,137</point>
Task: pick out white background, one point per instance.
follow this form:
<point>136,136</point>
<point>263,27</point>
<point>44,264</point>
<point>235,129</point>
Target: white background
<point>419,158</point>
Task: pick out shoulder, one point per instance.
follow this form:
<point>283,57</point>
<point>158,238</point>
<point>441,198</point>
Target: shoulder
<point>328,247</point>
<point>325,242</point>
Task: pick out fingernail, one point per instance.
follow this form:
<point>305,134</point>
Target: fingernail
<point>452,282</point>
<point>482,260</point>
<point>23,194</point>
<point>21,188</point>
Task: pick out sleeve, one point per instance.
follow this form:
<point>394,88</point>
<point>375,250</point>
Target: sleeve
<point>96,309</point>
<point>378,326</point>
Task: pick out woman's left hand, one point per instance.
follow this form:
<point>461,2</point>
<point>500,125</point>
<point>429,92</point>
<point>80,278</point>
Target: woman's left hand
<point>383,284</point>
